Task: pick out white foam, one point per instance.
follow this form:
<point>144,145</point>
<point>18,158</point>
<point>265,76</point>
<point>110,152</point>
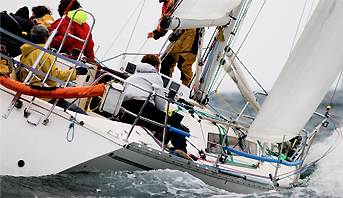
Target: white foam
<point>328,172</point>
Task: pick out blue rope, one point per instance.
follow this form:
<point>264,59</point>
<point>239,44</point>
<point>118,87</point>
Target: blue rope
<point>72,125</point>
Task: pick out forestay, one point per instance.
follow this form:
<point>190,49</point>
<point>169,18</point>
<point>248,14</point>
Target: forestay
<point>306,77</point>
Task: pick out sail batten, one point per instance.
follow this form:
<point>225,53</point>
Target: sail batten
<point>306,77</point>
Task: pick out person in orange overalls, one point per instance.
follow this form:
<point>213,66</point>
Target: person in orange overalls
<point>183,52</point>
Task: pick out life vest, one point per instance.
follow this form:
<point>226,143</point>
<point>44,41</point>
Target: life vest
<point>58,93</point>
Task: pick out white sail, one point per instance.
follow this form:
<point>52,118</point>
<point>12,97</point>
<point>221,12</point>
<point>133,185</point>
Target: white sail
<point>205,9</point>
<point>202,13</point>
<point>306,77</point>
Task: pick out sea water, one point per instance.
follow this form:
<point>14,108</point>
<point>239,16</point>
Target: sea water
<point>323,179</point>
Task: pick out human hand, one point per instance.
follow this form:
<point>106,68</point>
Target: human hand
<point>151,35</point>
<point>170,3</point>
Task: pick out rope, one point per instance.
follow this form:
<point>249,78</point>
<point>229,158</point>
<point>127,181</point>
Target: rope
<point>246,36</point>
<point>140,12</point>
<point>203,136</point>
<point>296,32</point>
<point>339,131</point>
<point>165,12</point>
<point>232,108</point>
<point>72,126</point>
<point>241,17</point>
<point>120,31</point>
<point>246,69</point>
<point>340,75</point>
<point>309,14</point>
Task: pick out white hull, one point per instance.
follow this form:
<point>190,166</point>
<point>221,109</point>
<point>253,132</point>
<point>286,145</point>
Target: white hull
<point>98,145</point>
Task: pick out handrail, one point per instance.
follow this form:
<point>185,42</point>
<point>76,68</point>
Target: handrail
<point>173,129</point>
<point>33,70</point>
<point>59,49</point>
<point>241,153</point>
<point>43,49</point>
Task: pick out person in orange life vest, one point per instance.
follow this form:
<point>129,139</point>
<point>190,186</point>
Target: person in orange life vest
<point>41,15</point>
<point>79,28</point>
<point>39,35</point>
<point>183,52</point>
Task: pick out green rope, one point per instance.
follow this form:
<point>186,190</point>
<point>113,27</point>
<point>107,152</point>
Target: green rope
<point>235,29</point>
<point>203,136</point>
<point>241,164</point>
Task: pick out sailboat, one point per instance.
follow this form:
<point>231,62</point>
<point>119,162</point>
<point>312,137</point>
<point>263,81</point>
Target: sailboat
<point>256,154</point>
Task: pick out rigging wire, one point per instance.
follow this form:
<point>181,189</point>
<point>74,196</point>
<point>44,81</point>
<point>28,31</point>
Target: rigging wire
<point>243,16</point>
<point>338,139</point>
<point>339,78</point>
<point>164,13</point>
<point>120,32</point>
<point>252,76</point>
<point>237,25</point>
<point>296,32</point>
<point>140,12</point>
<point>246,36</point>
<point>309,14</point>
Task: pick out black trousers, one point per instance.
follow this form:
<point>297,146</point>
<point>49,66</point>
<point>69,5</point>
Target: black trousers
<point>153,113</point>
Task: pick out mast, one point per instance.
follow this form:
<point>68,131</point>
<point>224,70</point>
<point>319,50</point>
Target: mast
<point>215,57</point>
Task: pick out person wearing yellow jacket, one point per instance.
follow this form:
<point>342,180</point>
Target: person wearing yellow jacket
<point>39,35</point>
<point>184,49</point>
<point>4,69</point>
<point>4,64</point>
<point>42,15</point>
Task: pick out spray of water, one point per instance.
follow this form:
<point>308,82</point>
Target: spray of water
<point>327,175</point>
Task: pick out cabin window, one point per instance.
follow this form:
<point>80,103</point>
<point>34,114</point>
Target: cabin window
<point>214,143</point>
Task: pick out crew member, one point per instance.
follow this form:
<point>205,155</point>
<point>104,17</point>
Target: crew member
<point>183,52</point>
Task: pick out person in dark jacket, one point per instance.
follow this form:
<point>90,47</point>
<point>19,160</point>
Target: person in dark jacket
<point>16,25</point>
<point>79,28</point>
<point>23,12</point>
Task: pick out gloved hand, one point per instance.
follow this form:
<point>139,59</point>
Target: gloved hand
<point>81,71</point>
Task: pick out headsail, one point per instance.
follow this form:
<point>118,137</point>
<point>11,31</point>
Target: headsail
<point>306,77</point>
<point>201,13</point>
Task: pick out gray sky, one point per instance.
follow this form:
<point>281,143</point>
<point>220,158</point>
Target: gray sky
<point>264,52</point>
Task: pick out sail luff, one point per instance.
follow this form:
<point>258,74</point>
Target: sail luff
<point>306,77</point>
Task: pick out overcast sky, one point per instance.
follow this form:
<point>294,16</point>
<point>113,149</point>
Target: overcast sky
<point>264,52</point>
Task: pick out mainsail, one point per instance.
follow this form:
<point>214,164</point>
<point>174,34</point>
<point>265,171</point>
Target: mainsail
<point>306,77</point>
<point>201,13</point>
